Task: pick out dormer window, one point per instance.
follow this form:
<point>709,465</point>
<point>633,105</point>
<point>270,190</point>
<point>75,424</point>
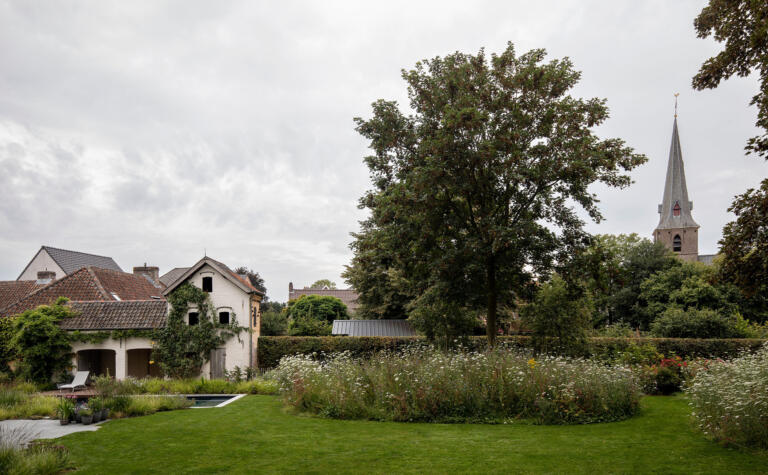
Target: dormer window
<point>676,209</point>
<point>207,284</point>
<point>677,243</point>
<point>194,318</point>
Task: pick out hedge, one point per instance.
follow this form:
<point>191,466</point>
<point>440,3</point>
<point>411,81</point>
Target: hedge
<point>272,348</point>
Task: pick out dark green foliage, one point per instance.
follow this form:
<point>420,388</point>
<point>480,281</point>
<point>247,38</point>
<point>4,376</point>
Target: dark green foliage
<point>274,323</point>
<point>742,25</point>
<point>323,308</point>
<point>42,347</point>
<point>7,352</point>
<point>312,315</point>
<point>472,192</point>
<point>687,286</point>
<point>559,317</point>
<point>613,268</point>
<point>254,278</point>
<point>182,349</point>
<point>271,349</point>
<point>695,323</point>
<point>744,250</point>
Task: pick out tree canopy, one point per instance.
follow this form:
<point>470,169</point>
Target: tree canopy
<point>744,249</point>
<point>41,346</point>
<point>743,26</point>
<point>323,283</point>
<point>254,278</point>
<point>474,192</point>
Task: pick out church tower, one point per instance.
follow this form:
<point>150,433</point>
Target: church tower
<point>676,229</point>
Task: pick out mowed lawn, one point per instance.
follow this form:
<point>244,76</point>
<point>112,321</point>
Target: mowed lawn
<point>256,434</point>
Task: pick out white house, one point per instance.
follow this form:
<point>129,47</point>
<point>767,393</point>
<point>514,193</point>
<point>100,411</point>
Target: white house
<point>233,298</point>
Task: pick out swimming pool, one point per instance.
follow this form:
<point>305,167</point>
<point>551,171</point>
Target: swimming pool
<point>212,400</point>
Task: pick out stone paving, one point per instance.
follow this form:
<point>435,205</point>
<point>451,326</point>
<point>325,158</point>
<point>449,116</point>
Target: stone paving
<point>27,430</point>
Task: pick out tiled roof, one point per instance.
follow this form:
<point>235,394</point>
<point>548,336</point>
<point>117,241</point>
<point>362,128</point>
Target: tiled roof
<point>125,315</point>
<point>14,290</point>
<point>222,268</point>
<point>170,277</point>
<point>88,284</point>
<point>71,261</point>
<point>372,328</point>
<point>348,296</point>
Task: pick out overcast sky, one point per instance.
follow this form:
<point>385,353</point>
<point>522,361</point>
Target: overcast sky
<point>152,131</point>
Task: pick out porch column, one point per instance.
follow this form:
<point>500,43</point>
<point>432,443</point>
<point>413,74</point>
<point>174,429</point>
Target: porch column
<point>121,363</point>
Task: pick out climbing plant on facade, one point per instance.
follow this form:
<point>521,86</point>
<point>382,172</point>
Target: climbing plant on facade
<point>181,349</point>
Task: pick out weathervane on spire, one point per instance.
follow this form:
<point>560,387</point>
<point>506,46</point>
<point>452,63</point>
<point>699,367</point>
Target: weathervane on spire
<point>676,94</point>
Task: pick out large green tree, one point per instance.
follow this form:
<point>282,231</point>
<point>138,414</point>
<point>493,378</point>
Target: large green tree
<point>612,269</point>
<point>474,190</point>
<point>743,26</point>
<point>744,250</point>
<point>41,346</point>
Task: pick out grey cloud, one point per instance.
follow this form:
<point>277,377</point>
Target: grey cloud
<point>150,131</point>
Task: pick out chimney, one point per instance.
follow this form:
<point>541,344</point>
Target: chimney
<point>290,287</point>
<point>150,272</point>
<point>45,276</point>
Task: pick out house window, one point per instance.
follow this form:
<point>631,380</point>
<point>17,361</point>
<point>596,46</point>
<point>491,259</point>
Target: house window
<point>677,243</point>
<point>676,209</point>
<point>224,318</point>
<point>207,284</point>
<point>194,318</point>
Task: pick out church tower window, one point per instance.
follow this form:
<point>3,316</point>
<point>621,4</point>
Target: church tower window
<point>677,243</point>
<point>676,209</point>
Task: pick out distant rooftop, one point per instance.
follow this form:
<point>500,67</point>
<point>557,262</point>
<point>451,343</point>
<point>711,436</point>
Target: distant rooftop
<point>72,261</point>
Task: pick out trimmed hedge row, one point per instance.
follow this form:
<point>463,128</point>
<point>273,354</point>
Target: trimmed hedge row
<point>272,348</point>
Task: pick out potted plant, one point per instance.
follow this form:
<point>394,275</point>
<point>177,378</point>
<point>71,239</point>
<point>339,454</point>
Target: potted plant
<point>96,404</point>
<point>65,410</point>
<point>86,415</point>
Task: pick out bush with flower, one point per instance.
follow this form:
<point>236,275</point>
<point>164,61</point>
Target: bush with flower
<point>425,384</point>
<point>730,400</point>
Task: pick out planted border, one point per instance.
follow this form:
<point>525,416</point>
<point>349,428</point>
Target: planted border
<point>272,348</point>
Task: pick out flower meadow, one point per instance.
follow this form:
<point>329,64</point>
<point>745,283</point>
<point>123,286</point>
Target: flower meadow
<point>428,385</point>
<point>730,400</point>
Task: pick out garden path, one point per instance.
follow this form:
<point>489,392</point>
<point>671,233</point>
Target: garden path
<point>27,430</point>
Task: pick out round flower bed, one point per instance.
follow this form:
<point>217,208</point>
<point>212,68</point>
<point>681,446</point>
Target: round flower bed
<point>429,385</point>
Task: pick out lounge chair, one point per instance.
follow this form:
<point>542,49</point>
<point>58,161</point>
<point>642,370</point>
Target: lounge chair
<point>79,382</point>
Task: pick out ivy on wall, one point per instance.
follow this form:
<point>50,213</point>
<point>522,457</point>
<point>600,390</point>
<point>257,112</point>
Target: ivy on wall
<point>97,337</point>
<point>182,349</point>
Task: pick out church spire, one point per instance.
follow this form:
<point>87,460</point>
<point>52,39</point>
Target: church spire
<point>675,208</point>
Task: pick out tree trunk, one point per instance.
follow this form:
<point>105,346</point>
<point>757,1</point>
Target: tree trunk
<point>492,302</point>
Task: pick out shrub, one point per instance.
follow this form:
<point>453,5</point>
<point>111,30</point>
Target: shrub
<point>38,458</point>
<point>141,405</point>
<point>695,323</point>
<point>40,344</point>
<point>274,323</point>
<point>429,385</point>
<point>559,318</point>
<point>730,400</point>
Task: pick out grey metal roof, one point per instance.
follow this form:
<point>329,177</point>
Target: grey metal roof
<point>675,190</point>
<point>707,258</point>
<point>372,328</point>
<point>72,261</point>
<point>170,277</point>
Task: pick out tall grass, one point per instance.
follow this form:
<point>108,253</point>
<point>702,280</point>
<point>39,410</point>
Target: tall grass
<point>730,400</point>
<point>18,404</point>
<point>428,385</point>
<point>37,458</point>
<point>109,386</point>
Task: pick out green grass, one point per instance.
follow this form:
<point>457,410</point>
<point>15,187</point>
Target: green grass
<point>256,434</point>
